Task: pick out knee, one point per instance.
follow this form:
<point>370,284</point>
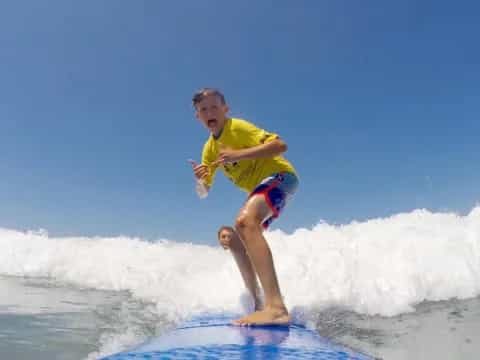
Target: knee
<point>244,223</point>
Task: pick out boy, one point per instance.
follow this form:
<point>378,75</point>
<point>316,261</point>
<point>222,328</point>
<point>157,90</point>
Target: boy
<point>251,158</point>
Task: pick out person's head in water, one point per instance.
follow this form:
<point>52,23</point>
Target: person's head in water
<point>211,109</point>
<point>225,236</point>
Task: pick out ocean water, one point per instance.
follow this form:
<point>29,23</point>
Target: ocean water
<point>402,287</point>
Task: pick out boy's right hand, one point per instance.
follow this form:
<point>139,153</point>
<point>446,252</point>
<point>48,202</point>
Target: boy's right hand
<point>201,170</point>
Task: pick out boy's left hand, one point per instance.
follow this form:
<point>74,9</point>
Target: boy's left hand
<point>228,156</point>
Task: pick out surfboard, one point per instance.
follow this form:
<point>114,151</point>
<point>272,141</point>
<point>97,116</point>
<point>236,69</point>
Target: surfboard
<point>214,337</point>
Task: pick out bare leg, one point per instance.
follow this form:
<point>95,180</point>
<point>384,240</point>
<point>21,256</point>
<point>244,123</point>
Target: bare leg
<point>250,230</point>
<point>246,269</point>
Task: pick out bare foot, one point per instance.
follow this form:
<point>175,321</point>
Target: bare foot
<point>265,317</point>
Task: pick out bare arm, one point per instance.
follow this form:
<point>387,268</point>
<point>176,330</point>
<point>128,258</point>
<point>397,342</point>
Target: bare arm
<point>270,149</point>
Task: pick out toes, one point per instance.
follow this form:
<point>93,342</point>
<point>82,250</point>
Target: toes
<point>239,322</point>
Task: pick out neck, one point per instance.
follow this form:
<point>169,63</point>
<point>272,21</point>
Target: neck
<point>217,135</point>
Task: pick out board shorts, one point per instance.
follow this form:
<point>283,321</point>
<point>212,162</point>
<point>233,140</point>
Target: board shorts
<point>277,189</point>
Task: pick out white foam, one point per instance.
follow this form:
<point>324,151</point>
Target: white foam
<point>381,266</point>
<point>112,343</point>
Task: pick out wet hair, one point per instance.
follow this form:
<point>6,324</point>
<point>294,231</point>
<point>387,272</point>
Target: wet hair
<point>224,227</point>
<point>203,93</point>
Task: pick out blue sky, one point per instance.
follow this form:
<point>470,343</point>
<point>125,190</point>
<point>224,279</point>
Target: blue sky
<point>378,101</point>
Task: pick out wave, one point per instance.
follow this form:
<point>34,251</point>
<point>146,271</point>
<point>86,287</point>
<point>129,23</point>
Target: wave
<point>382,266</point>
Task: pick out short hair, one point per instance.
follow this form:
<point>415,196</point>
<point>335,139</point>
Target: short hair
<point>203,93</point>
<point>224,227</point>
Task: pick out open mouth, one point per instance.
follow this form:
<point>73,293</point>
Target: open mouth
<point>212,122</point>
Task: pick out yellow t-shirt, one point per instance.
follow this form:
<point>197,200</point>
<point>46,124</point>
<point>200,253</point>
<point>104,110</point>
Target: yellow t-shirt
<point>246,174</point>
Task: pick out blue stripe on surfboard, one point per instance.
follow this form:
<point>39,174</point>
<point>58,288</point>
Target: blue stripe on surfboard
<point>214,337</point>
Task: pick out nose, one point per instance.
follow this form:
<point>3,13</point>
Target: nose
<point>210,113</point>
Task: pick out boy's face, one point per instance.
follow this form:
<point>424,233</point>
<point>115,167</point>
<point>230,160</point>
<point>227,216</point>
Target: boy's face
<point>212,113</point>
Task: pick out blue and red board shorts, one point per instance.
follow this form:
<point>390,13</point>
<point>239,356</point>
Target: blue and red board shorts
<point>277,189</point>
